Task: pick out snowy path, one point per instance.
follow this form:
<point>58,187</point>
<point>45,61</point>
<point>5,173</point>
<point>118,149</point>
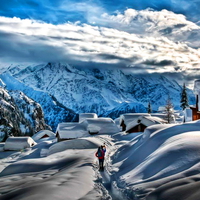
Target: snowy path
<point>65,174</point>
<point>107,179</point>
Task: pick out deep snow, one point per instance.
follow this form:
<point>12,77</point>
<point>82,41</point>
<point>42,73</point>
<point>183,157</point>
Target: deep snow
<point>160,164</point>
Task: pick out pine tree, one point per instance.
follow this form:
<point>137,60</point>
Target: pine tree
<point>169,108</point>
<point>149,110</point>
<point>184,98</point>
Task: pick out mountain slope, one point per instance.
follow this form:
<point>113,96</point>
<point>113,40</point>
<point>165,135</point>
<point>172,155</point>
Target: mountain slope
<point>94,90</point>
<point>54,112</point>
<point>125,108</point>
<point>19,115</point>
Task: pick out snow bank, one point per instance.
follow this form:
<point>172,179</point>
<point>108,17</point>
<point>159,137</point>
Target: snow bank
<point>83,116</point>
<point>19,143</point>
<point>80,143</point>
<point>165,155</point>
<point>157,127</point>
<point>62,176</point>
<point>43,134</point>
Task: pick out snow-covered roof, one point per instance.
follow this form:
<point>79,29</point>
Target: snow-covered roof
<point>71,130</point>
<point>117,120</point>
<point>160,115</point>
<point>92,125</point>
<point>145,120</point>
<point>128,117</point>
<point>39,135</point>
<point>83,116</point>
<point>19,143</point>
<point>102,125</point>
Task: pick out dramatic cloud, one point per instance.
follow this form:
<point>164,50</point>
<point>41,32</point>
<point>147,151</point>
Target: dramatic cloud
<point>142,41</point>
<point>148,22</point>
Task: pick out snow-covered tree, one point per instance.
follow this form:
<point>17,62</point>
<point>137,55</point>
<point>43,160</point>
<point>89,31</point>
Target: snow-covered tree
<point>184,98</point>
<point>169,109</point>
<point>149,110</point>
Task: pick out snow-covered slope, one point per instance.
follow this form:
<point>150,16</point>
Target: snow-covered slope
<point>94,90</point>
<point>54,112</point>
<point>163,163</point>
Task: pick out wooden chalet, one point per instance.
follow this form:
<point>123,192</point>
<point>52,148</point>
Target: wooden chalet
<point>195,110</point>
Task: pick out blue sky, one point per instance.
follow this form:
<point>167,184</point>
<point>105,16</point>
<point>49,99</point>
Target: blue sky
<point>60,11</point>
<point>142,36</point>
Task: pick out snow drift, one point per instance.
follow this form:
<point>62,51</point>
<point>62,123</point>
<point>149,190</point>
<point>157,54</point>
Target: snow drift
<point>80,143</point>
<point>163,155</point>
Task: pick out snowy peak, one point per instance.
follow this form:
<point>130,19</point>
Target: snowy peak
<point>99,90</point>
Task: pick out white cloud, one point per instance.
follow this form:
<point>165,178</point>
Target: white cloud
<point>135,39</point>
<point>159,23</point>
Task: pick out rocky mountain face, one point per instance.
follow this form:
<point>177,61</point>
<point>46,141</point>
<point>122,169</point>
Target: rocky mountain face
<point>54,111</point>
<point>19,115</point>
<point>94,90</point>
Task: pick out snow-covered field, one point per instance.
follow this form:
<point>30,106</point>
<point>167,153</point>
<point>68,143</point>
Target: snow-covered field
<point>163,163</point>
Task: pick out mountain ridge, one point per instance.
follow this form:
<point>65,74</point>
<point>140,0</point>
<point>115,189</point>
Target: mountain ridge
<point>98,90</point>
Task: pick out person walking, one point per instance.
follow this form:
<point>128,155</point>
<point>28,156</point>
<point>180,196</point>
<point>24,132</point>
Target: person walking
<point>100,154</point>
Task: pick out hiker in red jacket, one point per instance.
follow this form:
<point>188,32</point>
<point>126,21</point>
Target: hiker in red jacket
<point>100,154</point>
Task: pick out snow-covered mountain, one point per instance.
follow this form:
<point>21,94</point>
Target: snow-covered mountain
<point>54,112</point>
<point>19,115</point>
<point>94,90</point>
<point>125,108</point>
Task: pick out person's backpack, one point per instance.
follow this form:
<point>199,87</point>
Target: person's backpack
<point>99,153</point>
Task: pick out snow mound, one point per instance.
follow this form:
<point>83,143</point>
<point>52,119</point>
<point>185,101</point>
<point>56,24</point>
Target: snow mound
<point>19,143</point>
<point>43,134</point>
<point>157,127</point>
<point>80,143</point>
<point>165,155</point>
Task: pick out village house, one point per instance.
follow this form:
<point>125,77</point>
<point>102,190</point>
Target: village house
<point>196,108</point>
<point>89,124</point>
<point>137,122</point>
